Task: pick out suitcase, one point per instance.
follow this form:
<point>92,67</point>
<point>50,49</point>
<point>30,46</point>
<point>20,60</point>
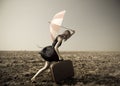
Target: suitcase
<point>62,70</point>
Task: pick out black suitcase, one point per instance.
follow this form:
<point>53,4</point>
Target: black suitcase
<point>62,70</point>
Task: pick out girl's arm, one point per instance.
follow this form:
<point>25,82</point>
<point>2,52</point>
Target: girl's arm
<point>56,47</point>
<point>72,32</point>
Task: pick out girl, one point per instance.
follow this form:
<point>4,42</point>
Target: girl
<point>51,53</point>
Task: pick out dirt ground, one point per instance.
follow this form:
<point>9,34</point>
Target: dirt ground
<point>91,69</point>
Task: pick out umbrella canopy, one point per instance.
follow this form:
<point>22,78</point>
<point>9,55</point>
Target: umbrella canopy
<point>56,23</point>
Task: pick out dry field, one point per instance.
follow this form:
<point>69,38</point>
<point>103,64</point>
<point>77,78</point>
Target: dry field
<point>91,69</point>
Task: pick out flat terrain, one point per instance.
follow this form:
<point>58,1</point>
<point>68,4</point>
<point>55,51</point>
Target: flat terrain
<point>91,69</point>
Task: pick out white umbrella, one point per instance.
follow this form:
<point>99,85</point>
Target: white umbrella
<point>55,24</point>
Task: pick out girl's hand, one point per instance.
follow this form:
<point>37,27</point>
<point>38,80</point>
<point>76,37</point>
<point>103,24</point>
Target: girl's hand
<point>72,30</point>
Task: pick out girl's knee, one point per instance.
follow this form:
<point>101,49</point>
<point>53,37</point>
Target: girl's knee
<point>47,65</point>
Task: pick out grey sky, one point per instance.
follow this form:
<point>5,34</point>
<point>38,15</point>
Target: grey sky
<point>24,24</point>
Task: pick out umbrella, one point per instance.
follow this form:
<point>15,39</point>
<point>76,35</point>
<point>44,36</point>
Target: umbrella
<point>55,24</point>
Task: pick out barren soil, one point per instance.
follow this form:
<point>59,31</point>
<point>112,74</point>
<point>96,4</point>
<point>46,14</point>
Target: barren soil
<point>91,69</point>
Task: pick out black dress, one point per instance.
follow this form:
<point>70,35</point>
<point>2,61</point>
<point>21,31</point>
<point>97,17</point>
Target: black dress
<point>48,53</point>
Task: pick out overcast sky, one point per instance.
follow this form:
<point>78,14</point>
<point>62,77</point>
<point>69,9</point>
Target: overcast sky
<point>24,24</point>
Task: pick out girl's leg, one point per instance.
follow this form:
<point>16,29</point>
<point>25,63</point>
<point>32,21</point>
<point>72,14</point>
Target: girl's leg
<point>46,66</point>
<point>58,53</point>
